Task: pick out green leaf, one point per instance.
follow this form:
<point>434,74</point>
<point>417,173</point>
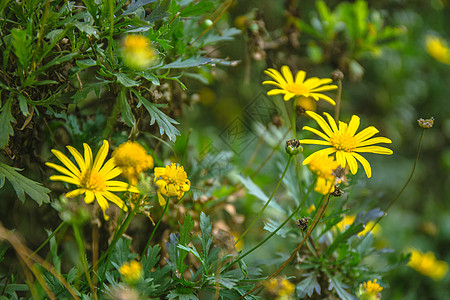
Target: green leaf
<point>23,104</point>
<point>125,109</point>
<point>134,5</point>
<point>255,190</point>
<point>308,285</point>
<point>191,62</point>
<point>22,185</point>
<point>272,225</point>
<point>159,11</point>
<point>197,8</point>
<point>86,28</point>
<point>86,63</point>
<point>22,46</point>
<point>6,119</point>
<point>185,238</point>
<point>164,122</point>
<point>125,80</point>
<point>339,288</point>
<point>150,77</point>
<point>152,257</point>
<point>120,253</point>
<point>205,228</point>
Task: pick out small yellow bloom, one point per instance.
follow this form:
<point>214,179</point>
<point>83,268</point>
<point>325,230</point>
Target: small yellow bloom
<point>137,52</point>
<point>438,49</point>
<point>286,288</point>
<point>92,177</point>
<point>428,265</point>
<point>323,166</point>
<point>131,271</point>
<point>240,245</point>
<point>303,104</point>
<point>132,158</point>
<point>349,219</point>
<point>310,87</point>
<point>281,288</point>
<point>311,208</point>
<point>171,181</point>
<point>345,142</point>
<point>369,290</point>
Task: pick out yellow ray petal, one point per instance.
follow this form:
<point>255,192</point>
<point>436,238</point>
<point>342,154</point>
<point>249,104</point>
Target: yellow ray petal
<point>103,203</point>
<point>276,92</point>
<point>324,88</point>
<point>75,193</point>
<point>89,197</point>
<point>300,77</point>
<point>364,163</point>
<point>340,158</point>
<point>326,151</point>
<point>321,121</point>
<point>101,155</point>
<point>319,133</point>
<point>78,158</point>
<point>366,133</point>
<point>315,142</point>
<point>61,169</point>
<point>66,162</point>
<point>322,96</point>
<point>353,165</point>
<point>87,155</point>
<point>287,74</point>
<point>353,125</point>
<point>375,149</point>
<point>331,122</point>
<point>376,140</point>
<point>73,180</point>
<point>116,200</point>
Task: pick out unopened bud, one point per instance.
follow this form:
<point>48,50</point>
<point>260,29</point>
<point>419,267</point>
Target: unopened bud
<point>426,123</point>
<point>293,147</point>
<point>337,75</point>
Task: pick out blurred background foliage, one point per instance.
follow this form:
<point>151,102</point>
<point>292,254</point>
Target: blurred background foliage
<point>390,80</point>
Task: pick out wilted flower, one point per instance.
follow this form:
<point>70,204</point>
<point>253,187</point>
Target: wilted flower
<point>345,142</point>
<point>171,181</point>
<point>132,158</point>
<point>438,49</point>
<point>310,87</point>
<point>131,271</point>
<point>92,177</point>
<point>427,264</point>
<point>426,123</point>
<point>369,290</point>
<point>137,52</point>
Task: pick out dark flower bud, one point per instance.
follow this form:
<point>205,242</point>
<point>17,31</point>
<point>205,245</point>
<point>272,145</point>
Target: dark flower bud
<point>293,147</point>
<point>337,75</point>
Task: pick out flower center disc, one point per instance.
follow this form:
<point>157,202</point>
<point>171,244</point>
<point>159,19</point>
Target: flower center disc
<point>298,89</point>
<point>344,141</point>
<point>91,180</point>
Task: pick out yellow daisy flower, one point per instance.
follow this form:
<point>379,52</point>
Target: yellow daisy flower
<point>131,271</point>
<point>427,264</point>
<point>438,49</point>
<point>349,219</point>
<point>137,52</point>
<point>369,290</point>
<point>323,166</point>
<point>92,177</point>
<point>132,158</point>
<point>171,181</point>
<point>345,142</point>
<point>310,87</point>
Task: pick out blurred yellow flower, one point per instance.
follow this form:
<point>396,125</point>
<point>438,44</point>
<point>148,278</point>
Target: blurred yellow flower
<point>311,208</point>
<point>310,87</point>
<point>349,219</point>
<point>131,271</point>
<point>303,104</point>
<point>369,290</point>
<point>323,166</point>
<point>92,177</point>
<point>132,158</point>
<point>137,52</point>
<point>345,142</point>
<point>240,245</point>
<point>171,181</point>
<point>427,264</point>
<point>438,49</point>
<point>280,287</point>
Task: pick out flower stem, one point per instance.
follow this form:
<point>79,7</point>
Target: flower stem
<point>112,119</point>
<point>268,201</point>
<point>404,186</point>
<point>338,101</point>
<point>273,232</point>
<point>82,251</point>
<point>154,229</point>
<point>316,220</point>
<point>48,239</point>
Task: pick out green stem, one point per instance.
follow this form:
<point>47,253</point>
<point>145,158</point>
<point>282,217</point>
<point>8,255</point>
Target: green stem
<point>404,186</point>
<point>111,29</point>
<point>154,229</point>
<point>82,251</point>
<point>47,240</point>
<point>268,201</point>
<point>112,118</point>
<point>292,215</point>
<point>338,101</point>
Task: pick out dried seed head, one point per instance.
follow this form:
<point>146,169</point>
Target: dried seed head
<point>293,147</point>
<point>426,123</point>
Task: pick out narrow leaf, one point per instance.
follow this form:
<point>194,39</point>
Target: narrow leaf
<point>6,119</point>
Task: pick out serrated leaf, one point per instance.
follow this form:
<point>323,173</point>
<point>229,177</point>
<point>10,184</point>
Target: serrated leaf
<point>23,104</point>
<point>180,296</point>
<point>120,253</point>
<point>125,109</point>
<point>272,225</point>
<point>151,77</point>
<point>185,238</point>
<point>339,288</point>
<point>23,185</point>
<point>151,258</point>
<point>197,8</point>
<point>86,63</point>
<point>164,122</point>
<point>87,28</point>
<point>307,286</point>
<point>134,5</point>
<point>125,80</point>
<point>159,11</point>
